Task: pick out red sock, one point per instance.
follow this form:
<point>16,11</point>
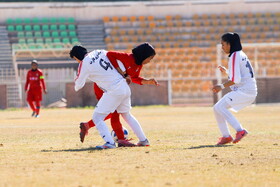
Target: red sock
<point>117,126</point>
<point>31,104</point>
<point>90,123</point>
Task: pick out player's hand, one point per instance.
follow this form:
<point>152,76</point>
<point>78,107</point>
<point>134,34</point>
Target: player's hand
<point>153,82</point>
<point>45,91</point>
<point>216,88</point>
<point>222,69</point>
<point>128,79</point>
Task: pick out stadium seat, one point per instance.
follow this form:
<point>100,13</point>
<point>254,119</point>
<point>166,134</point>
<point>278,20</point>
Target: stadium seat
<point>48,40</point>
<point>11,28</point>
<point>106,19</point>
<point>45,20</point>
<point>124,18</point>
<point>62,27</point>
<point>30,40</point>
<point>46,34</point>
<point>56,40</point>
<point>18,21</point>
<point>35,20</point>
<point>71,27</point>
<point>38,34</point>
<point>63,34</point>
<point>65,40</point>
<point>53,20</point>
<point>39,41</point>
<point>27,28</point>
<point>21,41</point>
<point>10,21</point>
<point>36,27</point>
<point>20,34</point>
<point>19,28</point>
<point>74,40</point>
<point>70,20</point>
<point>72,34</point>
<point>55,34</point>
<point>28,34</point>
<point>62,20</point>
<point>53,27</point>
<point>26,20</point>
<point>45,27</point>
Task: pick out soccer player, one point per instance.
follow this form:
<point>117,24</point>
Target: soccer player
<point>97,67</point>
<point>133,63</point>
<point>241,80</point>
<point>33,87</point>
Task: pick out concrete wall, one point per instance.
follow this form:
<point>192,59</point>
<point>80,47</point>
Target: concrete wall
<point>141,95</point>
<point>95,10</point>
<point>3,96</point>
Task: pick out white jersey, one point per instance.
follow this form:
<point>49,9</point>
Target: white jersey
<point>98,68</point>
<point>240,72</point>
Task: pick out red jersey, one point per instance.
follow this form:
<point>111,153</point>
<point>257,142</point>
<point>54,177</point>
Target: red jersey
<point>129,63</point>
<point>35,80</point>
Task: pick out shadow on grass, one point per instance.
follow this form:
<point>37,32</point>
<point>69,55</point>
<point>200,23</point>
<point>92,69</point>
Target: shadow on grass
<point>16,118</point>
<point>90,149</point>
<point>208,146</point>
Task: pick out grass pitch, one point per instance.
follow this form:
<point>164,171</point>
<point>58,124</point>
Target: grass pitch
<point>47,152</point>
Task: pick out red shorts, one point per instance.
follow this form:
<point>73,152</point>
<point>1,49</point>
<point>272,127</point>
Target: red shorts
<point>34,95</point>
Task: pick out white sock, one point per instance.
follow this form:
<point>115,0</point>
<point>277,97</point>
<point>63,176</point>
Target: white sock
<point>102,128</point>
<point>222,115</point>
<point>134,125</point>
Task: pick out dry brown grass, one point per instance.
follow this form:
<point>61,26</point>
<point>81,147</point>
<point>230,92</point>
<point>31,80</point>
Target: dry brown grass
<point>47,151</point>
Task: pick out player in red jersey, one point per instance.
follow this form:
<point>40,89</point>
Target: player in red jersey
<point>33,87</point>
<point>133,63</point>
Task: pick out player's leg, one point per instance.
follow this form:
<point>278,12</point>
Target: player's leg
<point>32,106</point>
<point>98,119</point>
<point>221,121</point>
<point>106,105</point>
<point>30,100</point>
<point>38,106</point>
<point>85,126</point>
<point>117,127</point>
<point>136,127</point>
<point>38,99</point>
<point>91,124</point>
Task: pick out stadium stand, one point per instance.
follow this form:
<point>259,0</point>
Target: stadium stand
<point>40,33</point>
<point>187,45</point>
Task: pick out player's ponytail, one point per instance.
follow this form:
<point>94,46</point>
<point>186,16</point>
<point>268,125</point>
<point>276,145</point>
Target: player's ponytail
<point>78,51</point>
<point>234,40</point>
<point>143,51</point>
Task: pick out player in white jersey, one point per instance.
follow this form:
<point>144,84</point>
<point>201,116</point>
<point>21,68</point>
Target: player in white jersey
<point>242,82</point>
<point>96,67</point>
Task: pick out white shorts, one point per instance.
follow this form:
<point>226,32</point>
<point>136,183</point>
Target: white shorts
<point>238,100</point>
<point>117,99</point>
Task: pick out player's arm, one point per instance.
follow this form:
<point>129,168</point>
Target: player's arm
<point>219,87</point>
<point>42,80</point>
<point>81,77</point>
<point>149,82</point>
<point>114,58</point>
<point>27,82</point>
<point>234,74</point>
